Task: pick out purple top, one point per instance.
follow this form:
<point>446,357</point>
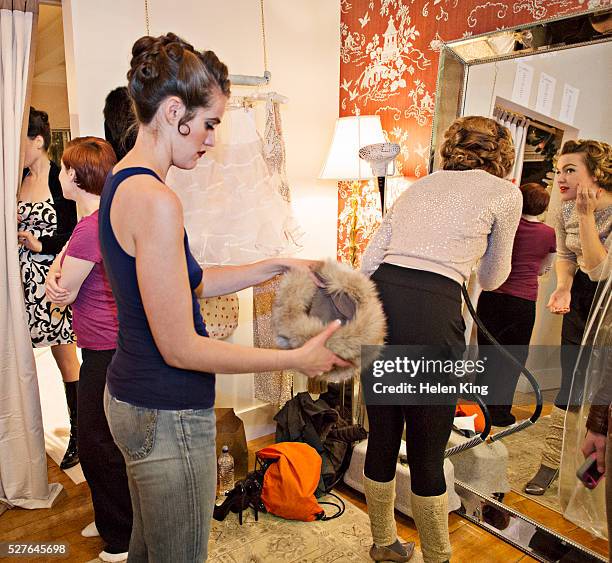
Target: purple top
<point>533,242</point>
<point>94,310</point>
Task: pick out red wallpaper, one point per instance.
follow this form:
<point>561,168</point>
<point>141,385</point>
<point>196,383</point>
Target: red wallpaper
<point>389,64</point>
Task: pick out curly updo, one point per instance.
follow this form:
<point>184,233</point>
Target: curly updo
<point>169,66</point>
<point>597,157</point>
<point>38,124</point>
<point>476,142</point>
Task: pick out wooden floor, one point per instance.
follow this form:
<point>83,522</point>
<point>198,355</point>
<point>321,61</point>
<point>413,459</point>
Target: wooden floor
<point>73,511</point>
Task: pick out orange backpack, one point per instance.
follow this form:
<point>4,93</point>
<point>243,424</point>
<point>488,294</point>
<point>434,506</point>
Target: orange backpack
<point>291,478</point>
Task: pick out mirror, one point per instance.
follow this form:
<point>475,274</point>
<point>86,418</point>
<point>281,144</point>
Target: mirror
<point>548,83</point>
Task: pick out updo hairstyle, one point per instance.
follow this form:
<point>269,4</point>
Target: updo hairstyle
<point>476,142</point>
<point>38,124</point>
<point>169,66</point>
<point>597,157</point>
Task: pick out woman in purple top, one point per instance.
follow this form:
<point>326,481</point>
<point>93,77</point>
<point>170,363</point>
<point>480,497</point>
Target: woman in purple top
<point>78,277</point>
<point>509,311</point>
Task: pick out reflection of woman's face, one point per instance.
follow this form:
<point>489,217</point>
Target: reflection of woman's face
<point>571,172</point>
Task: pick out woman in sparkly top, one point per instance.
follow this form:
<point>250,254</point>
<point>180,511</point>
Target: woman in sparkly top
<point>584,238</point>
<point>425,249</point>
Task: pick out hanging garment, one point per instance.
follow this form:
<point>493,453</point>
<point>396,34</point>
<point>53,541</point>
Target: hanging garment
<point>275,149</point>
<point>220,315</point>
<point>236,204</point>
<point>233,208</point>
<point>273,387</point>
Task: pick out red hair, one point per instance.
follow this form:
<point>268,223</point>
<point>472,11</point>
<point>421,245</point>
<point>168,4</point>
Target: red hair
<point>92,159</point>
<point>535,198</point>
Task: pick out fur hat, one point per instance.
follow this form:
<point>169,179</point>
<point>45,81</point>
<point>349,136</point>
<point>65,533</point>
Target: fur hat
<point>300,312</point>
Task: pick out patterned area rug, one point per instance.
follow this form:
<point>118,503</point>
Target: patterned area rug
<point>524,451</point>
<point>346,539</point>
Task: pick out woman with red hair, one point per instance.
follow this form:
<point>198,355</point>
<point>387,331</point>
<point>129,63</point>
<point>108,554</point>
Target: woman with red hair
<point>509,311</point>
<point>77,277</point>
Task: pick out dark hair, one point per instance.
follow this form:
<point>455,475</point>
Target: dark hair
<point>92,159</point>
<point>535,198</point>
<point>38,124</point>
<point>597,157</point>
<point>476,142</point>
<point>120,126</point>
<point>169,66</point>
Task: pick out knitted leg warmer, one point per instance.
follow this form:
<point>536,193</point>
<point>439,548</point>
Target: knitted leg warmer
<point>430,514</point>
<point>381,500</point>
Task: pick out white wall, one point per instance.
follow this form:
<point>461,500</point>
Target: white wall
<point>581,67</point>
<point>303,42</point>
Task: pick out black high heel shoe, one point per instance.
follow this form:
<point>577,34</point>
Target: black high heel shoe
<point>234,500</point>
<point>541,480</point>
<point>245,494</point>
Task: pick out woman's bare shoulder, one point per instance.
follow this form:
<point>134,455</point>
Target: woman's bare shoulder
<point>149,204</point>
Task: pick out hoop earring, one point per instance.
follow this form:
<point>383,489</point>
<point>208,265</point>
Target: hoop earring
<point>181,130</point>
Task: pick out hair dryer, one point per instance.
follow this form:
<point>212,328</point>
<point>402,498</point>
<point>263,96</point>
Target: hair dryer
<point>379,155</point>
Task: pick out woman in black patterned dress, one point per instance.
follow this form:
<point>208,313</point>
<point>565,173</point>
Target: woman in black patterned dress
<point>45,223</point>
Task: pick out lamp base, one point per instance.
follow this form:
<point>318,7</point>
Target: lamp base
<point>381,189</point>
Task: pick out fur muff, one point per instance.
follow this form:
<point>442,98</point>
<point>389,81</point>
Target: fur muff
<point>293,325</point>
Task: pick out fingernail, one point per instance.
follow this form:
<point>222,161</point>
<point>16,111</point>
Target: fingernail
<point>338,321</point>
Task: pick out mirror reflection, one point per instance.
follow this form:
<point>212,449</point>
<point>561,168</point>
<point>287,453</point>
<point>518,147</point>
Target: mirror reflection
<point>549,89</point>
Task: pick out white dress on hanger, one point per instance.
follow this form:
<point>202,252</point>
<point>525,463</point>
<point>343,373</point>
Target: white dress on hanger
<point>235,205</point>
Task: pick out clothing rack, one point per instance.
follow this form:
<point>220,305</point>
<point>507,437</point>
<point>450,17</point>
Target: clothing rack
<point>517,118</point>
<point>522,120</point>
<point>247,100</point>
<point>247,80</point>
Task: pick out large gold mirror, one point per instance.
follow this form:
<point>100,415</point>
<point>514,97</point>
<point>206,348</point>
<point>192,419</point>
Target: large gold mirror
<point>547,83</point>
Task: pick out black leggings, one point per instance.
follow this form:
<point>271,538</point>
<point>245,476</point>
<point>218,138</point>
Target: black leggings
<point>510,320</point>
<point>422,308</point>
<point>428,428</point>
<point>102,462</point>
<point>572,331</point>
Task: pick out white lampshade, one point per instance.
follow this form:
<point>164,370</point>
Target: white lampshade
<point>351,133</point>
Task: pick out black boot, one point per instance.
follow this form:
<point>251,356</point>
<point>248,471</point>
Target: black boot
<point>71,457</point>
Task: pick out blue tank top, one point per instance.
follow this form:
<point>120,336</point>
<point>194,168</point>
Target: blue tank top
<point>138,373</point>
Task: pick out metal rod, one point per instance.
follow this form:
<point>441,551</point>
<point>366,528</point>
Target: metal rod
<point>246,80</point>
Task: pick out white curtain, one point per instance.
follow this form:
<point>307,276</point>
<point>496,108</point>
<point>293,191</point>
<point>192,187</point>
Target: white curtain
<point>23,463</point>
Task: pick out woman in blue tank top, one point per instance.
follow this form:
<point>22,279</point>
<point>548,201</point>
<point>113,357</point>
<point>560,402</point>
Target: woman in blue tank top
<point>160,385</point>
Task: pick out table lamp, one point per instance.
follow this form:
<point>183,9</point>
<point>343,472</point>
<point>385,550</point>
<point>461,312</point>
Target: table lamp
<point>343,162</point>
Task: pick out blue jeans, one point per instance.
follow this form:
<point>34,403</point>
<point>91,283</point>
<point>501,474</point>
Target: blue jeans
<point>171,465</point>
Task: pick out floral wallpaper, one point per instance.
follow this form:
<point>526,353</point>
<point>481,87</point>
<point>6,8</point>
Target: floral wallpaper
<point>388,67</point>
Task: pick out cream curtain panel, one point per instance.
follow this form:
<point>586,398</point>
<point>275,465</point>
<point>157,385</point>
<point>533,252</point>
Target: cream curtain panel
<point>23,463</point>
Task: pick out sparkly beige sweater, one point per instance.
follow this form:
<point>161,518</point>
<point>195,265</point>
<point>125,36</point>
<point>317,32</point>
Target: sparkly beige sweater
<point>568,238</point>
<point>446,222</point>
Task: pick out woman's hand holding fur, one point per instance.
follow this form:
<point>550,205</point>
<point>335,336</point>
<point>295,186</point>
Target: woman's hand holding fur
<point>285,264</point>
<point>314,358</point>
